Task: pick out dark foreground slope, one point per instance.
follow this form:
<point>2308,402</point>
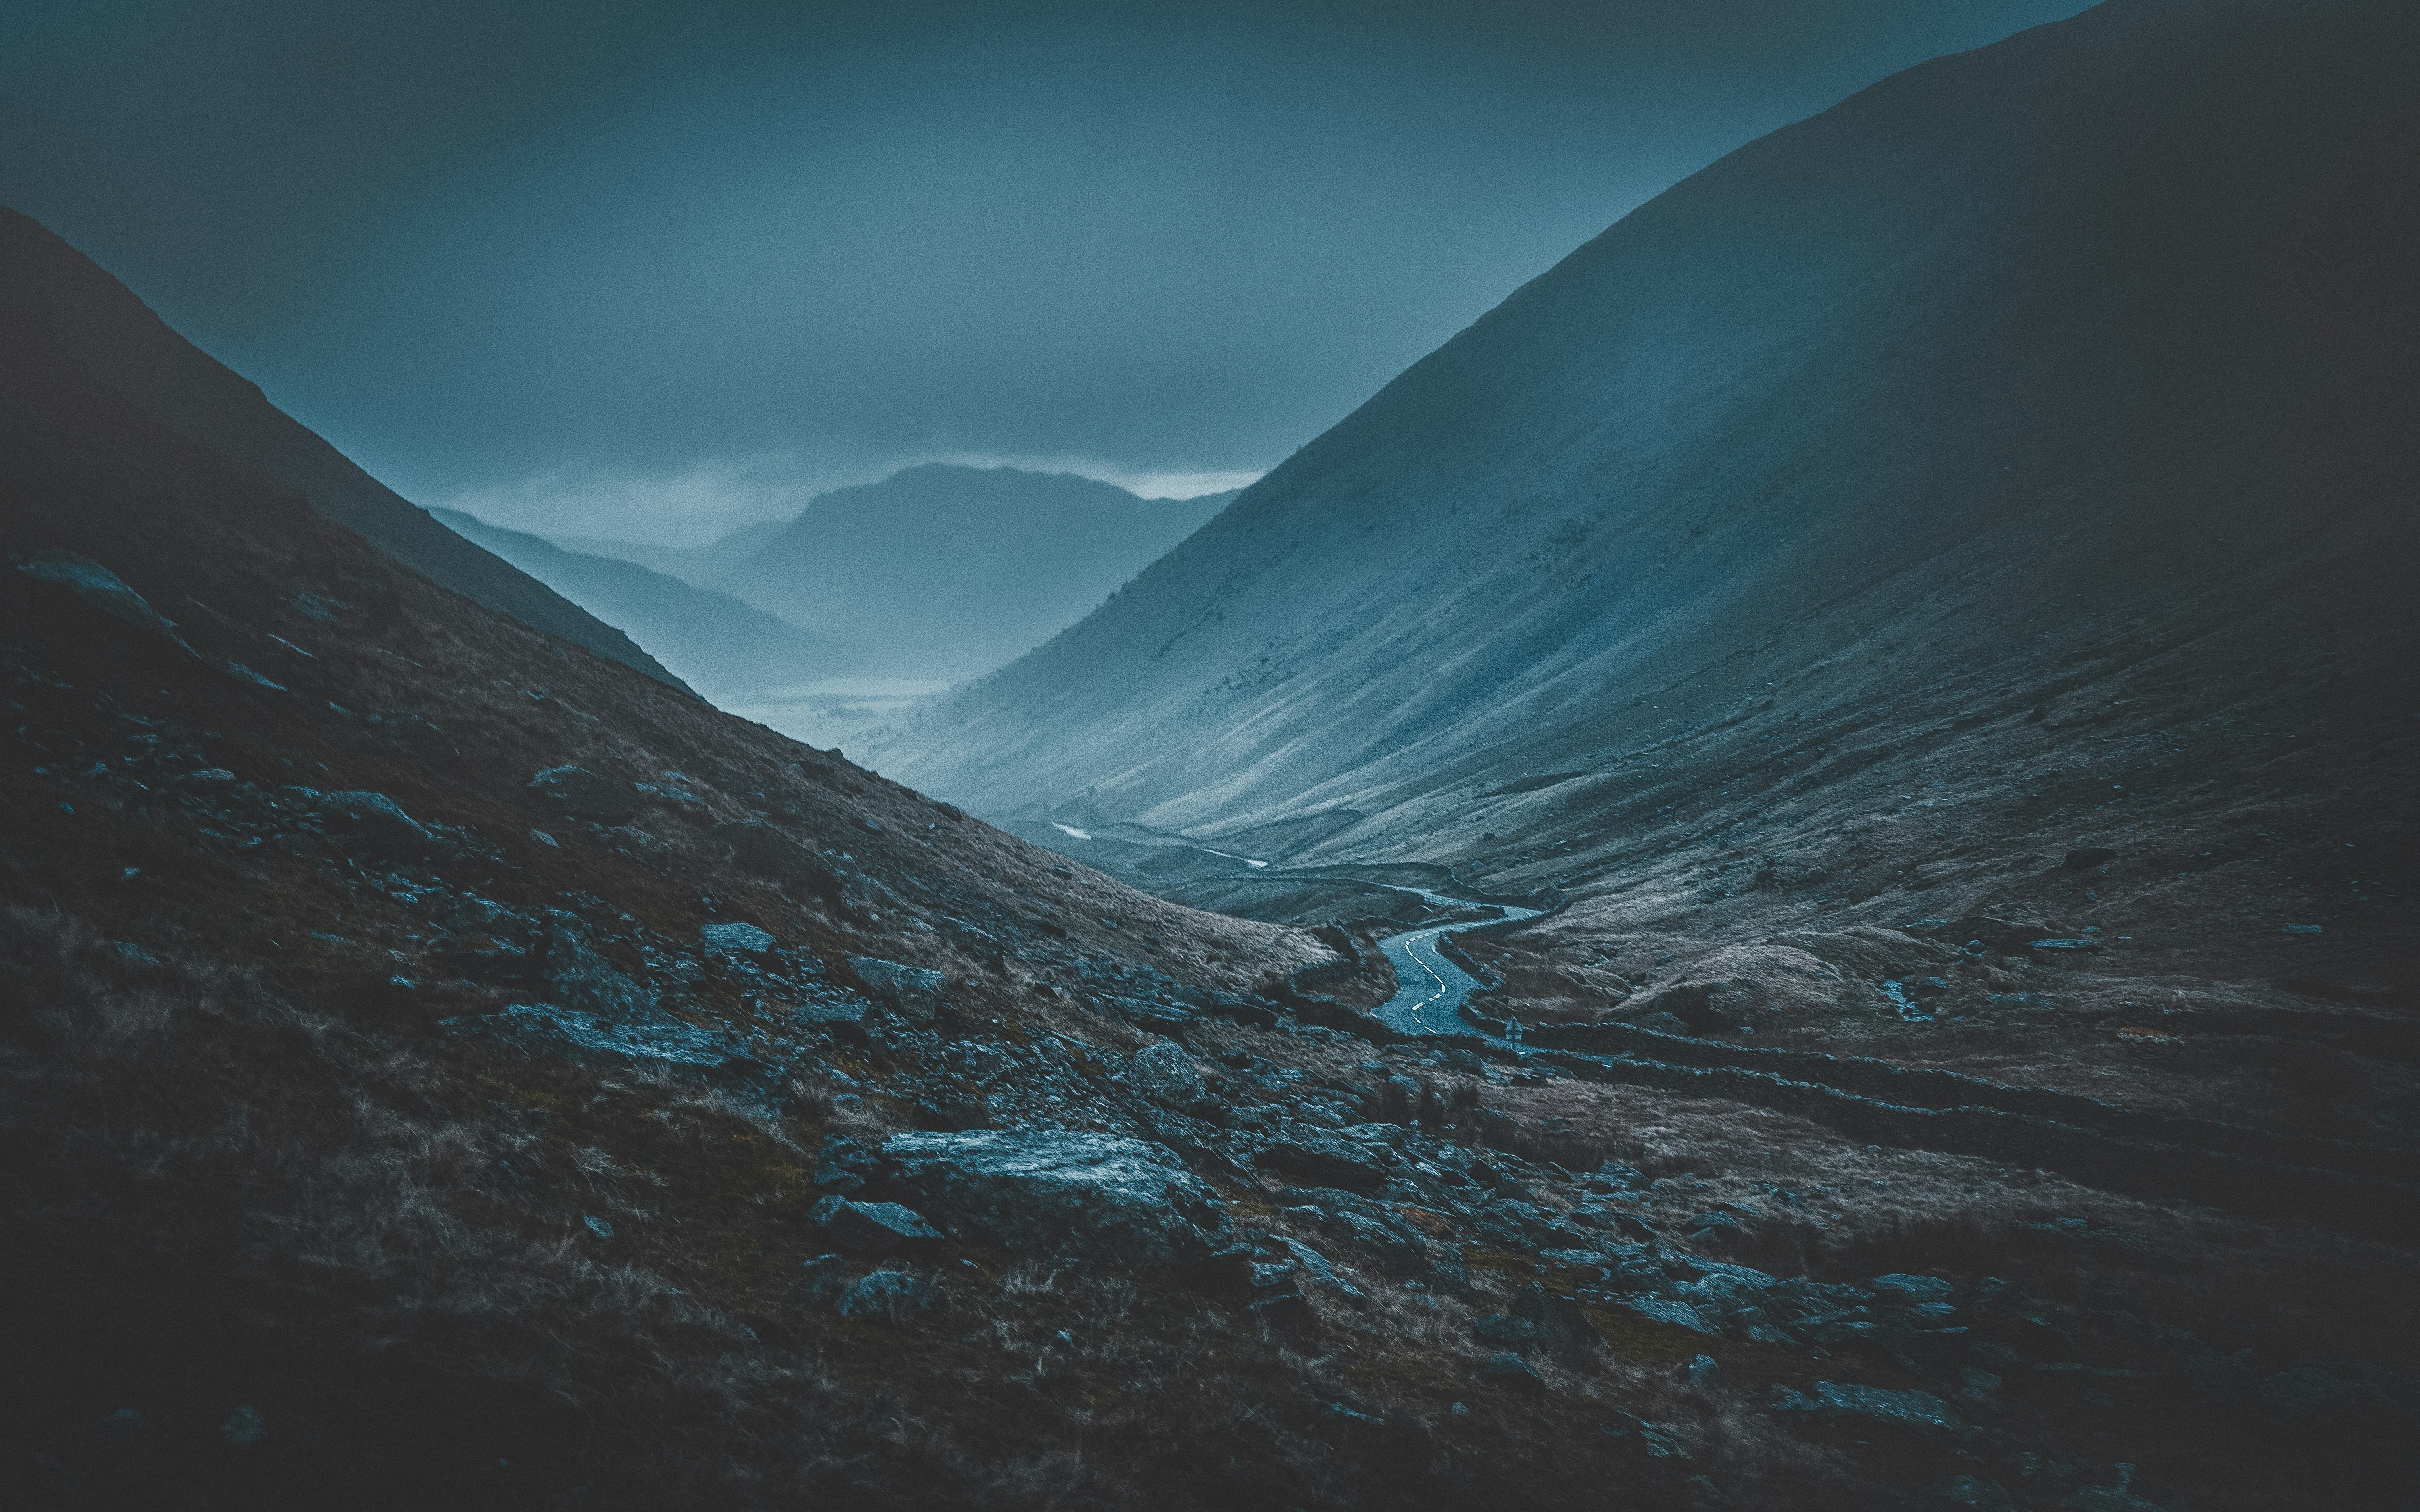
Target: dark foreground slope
<point>2052,371</point>
<point>946,572</point>
<point>717,644</point>
<point>386,1130</point>
<point>111,334</point>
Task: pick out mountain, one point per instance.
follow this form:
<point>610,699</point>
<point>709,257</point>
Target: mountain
<point>700,567</point>
<point>2072,374</point>
<point>442,1069</point>
<point>945,572</point>
<point>718,644</point>
<point>114,336</point>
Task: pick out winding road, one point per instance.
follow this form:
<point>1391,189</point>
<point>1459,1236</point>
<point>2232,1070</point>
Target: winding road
<point>1430,988</point>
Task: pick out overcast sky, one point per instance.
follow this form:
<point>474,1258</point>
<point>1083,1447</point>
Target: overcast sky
<point>655,271</point>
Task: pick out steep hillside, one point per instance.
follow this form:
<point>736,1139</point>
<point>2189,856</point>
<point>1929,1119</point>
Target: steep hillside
<point>717,644</point>
<point>2075,369</point>
<point>113,335</point>
<point>945,572</point>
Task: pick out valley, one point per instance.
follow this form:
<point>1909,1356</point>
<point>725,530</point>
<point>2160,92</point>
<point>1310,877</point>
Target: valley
<point>1780,879</point>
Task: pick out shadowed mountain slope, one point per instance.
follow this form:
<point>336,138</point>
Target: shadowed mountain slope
<point>712,640</point>
<point>117,338</point>
<point>2057,354</point>
<point>943,571</point>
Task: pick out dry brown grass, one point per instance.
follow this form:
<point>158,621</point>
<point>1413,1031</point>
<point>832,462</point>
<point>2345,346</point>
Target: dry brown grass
<point>391,1237</point>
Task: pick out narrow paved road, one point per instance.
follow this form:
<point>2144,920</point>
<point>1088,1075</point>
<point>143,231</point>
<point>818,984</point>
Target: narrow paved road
<point>1430,988</point>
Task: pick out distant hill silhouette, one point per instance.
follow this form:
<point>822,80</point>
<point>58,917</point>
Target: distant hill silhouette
<point>700,567</point>
<point>721,646</point>
<point>101,324</point>
<point>943,571</point>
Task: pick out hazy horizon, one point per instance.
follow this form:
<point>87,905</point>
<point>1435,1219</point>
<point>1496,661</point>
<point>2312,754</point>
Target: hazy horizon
<point>652,274</point>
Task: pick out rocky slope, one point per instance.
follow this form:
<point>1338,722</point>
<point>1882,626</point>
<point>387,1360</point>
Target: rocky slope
<point>108,333</point>
<point>945,572</point>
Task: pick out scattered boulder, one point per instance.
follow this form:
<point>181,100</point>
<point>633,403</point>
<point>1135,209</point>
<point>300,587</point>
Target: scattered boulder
<point>1506,1368</point>
<point>1050,1191</point>
<point>1660,1439</point>
<point>1326,1163</point>
<point>585,794</point>
<point>913,991</point>
<point>887,1296</point>
<point>1901,1409</point>
<point>374,823</point>
<point>650,1036</point>
<point>871,1227</point>
<point>1561,1326</point>
<point>1165,1072</point>
<point>734,940</point>
<point>821,1280</point>
<point>1671,1311</point>
<point>842,1015</point>
<point>844,1165</point>
<point>1904,1289</point>
<point>1505,1330</point>
<point>578,977</point>
<point>101,587</point>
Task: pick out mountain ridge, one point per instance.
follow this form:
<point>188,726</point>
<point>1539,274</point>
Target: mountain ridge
<point>1029,552</point>
<point>1616,486</point>
<point>717,643</point>
<point>111,332</point>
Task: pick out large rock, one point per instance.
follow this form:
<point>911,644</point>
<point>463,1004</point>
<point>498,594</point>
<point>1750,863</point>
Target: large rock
<point>1899,1408</point>
<point>914,992</point>
<point>578,977</point>
<point>840,1014</point>
<point>1326,1163</point>
<point>101,587</point>
<point>648,1036</point>
<point>733,941</point>
<point>1164,1071</point>
<point>871,1227</point>
<point>1058,1191</point>
<point>887,1296</point>
<point>585,794</point>
<point>375,823</point>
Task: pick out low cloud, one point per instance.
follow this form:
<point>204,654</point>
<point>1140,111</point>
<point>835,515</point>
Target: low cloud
<point>692,506</point>
<point>705,501</point>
